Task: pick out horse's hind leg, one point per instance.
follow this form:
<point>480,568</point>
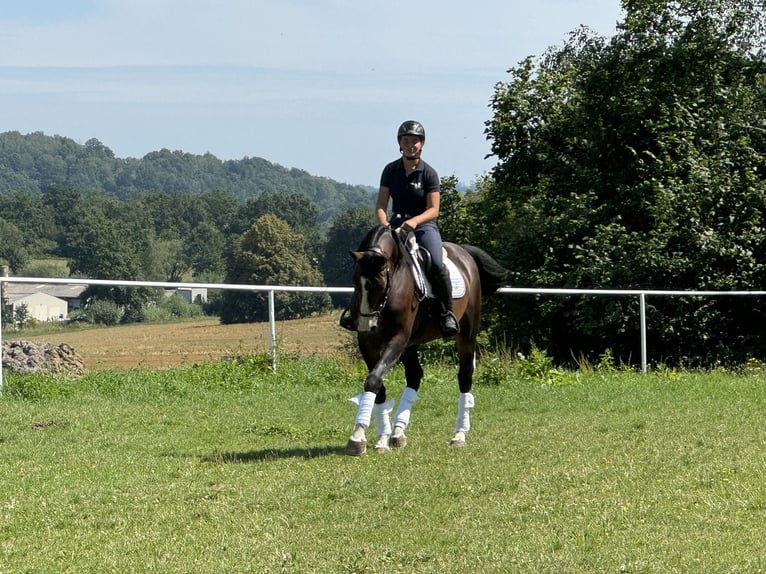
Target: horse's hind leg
<point>467,359</point>
<point>413,373</point>
<point>381,412</point>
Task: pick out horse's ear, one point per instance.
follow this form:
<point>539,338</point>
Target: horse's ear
<point>356,255</point>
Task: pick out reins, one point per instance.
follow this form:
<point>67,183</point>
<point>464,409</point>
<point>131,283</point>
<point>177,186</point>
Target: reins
<point>404,258</point>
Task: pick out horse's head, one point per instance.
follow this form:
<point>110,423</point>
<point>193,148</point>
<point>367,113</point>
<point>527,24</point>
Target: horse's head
<point>379,246</point>
<point>376,259</point>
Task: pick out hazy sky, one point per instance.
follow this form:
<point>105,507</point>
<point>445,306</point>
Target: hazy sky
<point>321,85</point>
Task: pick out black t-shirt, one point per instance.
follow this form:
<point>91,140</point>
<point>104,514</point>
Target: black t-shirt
<point>408,192</point>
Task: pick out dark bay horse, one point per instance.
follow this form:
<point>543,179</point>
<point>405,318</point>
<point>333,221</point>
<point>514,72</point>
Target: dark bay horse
<point>395,318</point>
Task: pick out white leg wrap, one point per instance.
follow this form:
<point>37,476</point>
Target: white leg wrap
<point>382,417</point>
<point>464,405</point>
<point>409,396</point>
<point>364,414</point>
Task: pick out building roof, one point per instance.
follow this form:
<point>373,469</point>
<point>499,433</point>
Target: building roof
<point>15,291</point>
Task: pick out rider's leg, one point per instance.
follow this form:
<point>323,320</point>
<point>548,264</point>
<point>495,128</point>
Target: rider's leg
<point>349,319</point>
<point>429,237</point>
<point>442,286</point>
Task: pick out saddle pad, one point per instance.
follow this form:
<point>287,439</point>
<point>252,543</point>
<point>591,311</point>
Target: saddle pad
<point>456,278</point>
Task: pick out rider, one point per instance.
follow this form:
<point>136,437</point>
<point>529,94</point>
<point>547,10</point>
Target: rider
<point>413,187</point>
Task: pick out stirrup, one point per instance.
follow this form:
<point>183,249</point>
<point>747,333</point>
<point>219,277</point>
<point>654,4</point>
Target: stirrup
<point>347,320</point>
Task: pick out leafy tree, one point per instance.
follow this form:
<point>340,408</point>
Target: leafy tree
<point>298,211</point>
<point>108,241</point>
<point>347,230</point>
<point>34,220</point>
<point>62,202</point>
<point>103,246</point>
<point>270,253</point>
<point>221,207</point>
<point>170,261</point>
<point>12,249</point>
<point>205,251</point>
<point>21,316</point>
<point>637,163</point>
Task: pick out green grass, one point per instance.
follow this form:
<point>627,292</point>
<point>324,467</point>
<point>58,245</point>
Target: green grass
<point>230,468</point>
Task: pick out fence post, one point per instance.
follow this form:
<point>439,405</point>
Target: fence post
<point>3,273</point>
<point>272,332</point>
<point>642,314</point>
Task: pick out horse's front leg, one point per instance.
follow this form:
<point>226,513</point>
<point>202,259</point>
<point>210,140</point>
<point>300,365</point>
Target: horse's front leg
<point>357,443</point>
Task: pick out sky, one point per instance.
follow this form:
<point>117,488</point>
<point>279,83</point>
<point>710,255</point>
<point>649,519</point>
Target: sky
<point>318,85</point>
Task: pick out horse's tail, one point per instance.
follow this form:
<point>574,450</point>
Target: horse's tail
<point>491,273</point>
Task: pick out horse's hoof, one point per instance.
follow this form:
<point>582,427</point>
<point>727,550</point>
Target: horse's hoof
<point>458,440</point>
<point>382,444</point>
<point>399,441</point>
<point>356,447</point>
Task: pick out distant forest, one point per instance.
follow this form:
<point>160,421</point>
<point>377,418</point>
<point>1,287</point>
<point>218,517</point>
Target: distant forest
<point>33,162</point>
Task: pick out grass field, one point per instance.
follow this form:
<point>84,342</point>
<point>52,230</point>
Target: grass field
<point>232,468</point>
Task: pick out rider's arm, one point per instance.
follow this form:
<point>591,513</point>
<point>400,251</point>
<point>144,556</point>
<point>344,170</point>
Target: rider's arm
<point>382,205</point>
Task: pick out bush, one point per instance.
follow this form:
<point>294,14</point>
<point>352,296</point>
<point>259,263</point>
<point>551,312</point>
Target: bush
<point>104,312</point>
<point>177,307</point>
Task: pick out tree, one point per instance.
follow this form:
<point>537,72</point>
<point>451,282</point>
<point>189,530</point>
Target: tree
<point>297,210</point>
<point>347,230</point>
<point>270,253</point>
<point>33,218</point>
<point>21,316</point>
<point>205,251</point>
<point>637,163</point>
<point>63,203</point>
<point>104,246</point>
<point>108,241</point>
<point>170,261</point>
<point>12,246</point>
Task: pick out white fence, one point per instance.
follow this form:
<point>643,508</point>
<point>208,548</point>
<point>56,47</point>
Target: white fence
<point>642,295</point>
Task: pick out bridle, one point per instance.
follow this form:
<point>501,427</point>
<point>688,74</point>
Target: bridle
<point>386,290</point>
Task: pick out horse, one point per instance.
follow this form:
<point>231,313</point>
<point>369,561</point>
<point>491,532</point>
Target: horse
<point>396,317</point>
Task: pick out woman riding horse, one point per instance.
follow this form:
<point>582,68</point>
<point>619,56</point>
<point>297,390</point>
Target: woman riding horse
<point>413,187</point>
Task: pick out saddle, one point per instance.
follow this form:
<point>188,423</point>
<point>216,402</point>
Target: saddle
<point>421,268</point>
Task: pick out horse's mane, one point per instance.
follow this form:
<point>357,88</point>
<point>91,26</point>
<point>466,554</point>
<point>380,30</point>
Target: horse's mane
<point>373,237</point>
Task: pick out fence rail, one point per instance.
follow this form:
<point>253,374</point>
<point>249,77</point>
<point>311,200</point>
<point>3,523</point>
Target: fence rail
<point>642,295</point>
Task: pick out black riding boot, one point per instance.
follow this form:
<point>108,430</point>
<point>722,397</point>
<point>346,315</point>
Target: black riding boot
<point>349,319</point>
<point>442,287</point>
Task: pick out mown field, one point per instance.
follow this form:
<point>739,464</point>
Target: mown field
<point>228,467</point>
<point>164,345</point>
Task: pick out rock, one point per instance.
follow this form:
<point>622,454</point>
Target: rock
<point>29,357</point>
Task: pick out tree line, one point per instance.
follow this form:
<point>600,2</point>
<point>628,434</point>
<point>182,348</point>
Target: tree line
<point>210,237</point>
<point>639,162</point>
<point>33,162</point>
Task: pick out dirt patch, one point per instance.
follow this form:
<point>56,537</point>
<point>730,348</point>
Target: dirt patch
<point>189,343</point>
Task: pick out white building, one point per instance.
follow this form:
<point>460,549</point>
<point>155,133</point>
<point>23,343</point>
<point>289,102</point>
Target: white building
<point>43,307</point>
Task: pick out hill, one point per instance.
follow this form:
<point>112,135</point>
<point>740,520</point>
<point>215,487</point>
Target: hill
<point>31,163</point>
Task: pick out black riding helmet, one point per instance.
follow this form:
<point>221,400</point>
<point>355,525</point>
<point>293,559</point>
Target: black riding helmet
<point>411,128</point>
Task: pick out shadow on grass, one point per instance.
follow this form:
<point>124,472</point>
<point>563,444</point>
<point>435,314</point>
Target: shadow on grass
<point>267,454</point>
